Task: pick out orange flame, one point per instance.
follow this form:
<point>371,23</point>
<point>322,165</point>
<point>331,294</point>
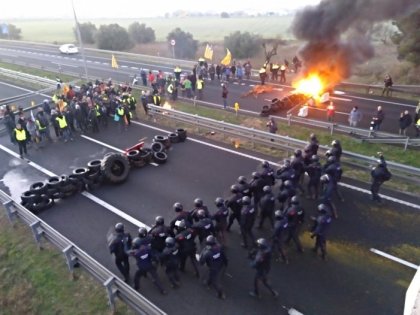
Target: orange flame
<point>311,85</point>
<point>166,105</point>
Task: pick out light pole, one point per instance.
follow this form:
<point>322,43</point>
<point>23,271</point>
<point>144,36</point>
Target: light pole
<point>79,38</point>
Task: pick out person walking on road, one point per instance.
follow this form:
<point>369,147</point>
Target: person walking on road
<point>119,246</point>
<point>21,137</point>
<point>377,119</point>
<point>355,116</point>
<point>262,265</point>
<point>225,93</point>
<point>379,174</point>
<point>405,122</point>
<point>319,229</point>
<point>64,128</point>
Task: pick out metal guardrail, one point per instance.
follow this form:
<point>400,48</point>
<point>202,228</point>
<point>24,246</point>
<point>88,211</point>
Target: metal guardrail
<point>74,256</point>
<point>25,76</point>
<point>405,172</point>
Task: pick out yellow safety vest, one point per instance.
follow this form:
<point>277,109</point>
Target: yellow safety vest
<point>418,122</point>
<point>98,110</point>
<point>262,70</point>
<point>156,99</point>
<point>199,84</point>
<point>62,123</point>
<point>170,88</point>
<point>20,134</point>
<point>120,111</point>
<point>177,70</point>
<point>275,66</point>
<point>38,124</point>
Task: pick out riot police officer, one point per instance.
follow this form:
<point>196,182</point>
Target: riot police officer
<point>181,214</point>
<point>214,257</point>
<point>262,265</point>
<point>204,227</point>
<point>256,189</point>
<point>314,171</point>
<point>248,215</point>
<point>220,217</point>
<point>267,206</point>
<point>319,229</point>
<point>145,238</point>
<point>198,204</point>
<point>295,217</point>
<point>170,259</point>
<point>234,203</point>
<point>379,174</point>
<point>159,232</point>
<point>244,186</point>
<point>267,174</point>
<point>281,224</point>
<point>187,249</point>
<point>119,245</point>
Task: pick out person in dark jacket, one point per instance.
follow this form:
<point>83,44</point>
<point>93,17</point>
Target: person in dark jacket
<point>319,229</point>
<point>119,246</point>
<point>379,174</point>
<point>170,259</point>
<point>185,238</point>
<point>387,85</point>
<point>405,122</point>
<point>262,265</point>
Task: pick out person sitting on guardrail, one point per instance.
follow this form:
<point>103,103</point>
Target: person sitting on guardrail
<point>355,116</point>
<point>405,122</point>
<point>387,85</point>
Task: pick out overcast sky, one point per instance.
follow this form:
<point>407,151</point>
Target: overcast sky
<point>87,9</point>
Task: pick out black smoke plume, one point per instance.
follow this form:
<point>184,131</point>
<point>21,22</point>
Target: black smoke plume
<point>337,33</point>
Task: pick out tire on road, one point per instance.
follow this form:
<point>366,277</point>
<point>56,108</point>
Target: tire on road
<point>28,197</point>
<point>164,140</point>
<point>133,155</point>
<point>157,147</point>
<point>160,157</point>
<point>80,172</point>
<point>38,188</point>
<point>182,134</point>
<point>54,182</point>
<point>115,168</point>
<point>173,137</point>
<point>94,165</point>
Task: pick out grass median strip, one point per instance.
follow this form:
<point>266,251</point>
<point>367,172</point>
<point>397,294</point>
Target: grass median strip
<point>38,282</point>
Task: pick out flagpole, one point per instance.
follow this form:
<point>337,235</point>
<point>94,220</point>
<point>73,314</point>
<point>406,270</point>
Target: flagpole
<point>79,37</point>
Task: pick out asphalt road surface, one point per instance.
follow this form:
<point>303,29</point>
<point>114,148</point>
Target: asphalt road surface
<point>8,90</point>
<point>99,66</point>
<point>352,281</point>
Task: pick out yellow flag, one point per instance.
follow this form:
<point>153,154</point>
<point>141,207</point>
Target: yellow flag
<point>208,53</point>
<point>236,107</point>
<point>228,58</point>
<point>114,63</point>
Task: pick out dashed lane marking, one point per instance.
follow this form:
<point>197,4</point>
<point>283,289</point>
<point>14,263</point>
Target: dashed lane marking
<point>393,258</point>
<point>88,195</point>
<point>364,191</point>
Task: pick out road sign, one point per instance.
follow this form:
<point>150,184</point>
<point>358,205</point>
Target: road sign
<point>173,42</point>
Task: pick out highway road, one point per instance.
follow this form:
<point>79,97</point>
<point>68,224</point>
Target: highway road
<point>352,281</point>
<point>99,66</point>
<point>9,90</point>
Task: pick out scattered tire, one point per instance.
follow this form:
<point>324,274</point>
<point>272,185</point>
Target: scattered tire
<point>94,165</point>
<point>93,176</point>
<point>138,163</point>
<point>160,157</point>
<point>173,137</point>
<point>133,155</point>
<point>50,202</point>
<point>182,134</point>
<point>146,155</point>
<point>157,147</point>
<point>54,182</point>
<point>28,197</point>
<point>57,195</point>
<point>164,140</point>
<point>115,168</point>
<point>38,188</point>
<point>80,172</point>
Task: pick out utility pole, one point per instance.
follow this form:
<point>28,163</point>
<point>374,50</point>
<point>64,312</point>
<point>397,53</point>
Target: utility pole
<point>79,38</point>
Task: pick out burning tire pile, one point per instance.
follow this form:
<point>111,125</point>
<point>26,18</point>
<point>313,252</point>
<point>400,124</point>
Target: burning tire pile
<point>114,168</point>
<point>285,103</point>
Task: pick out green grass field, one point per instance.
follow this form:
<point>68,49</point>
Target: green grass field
<point>203,28</point>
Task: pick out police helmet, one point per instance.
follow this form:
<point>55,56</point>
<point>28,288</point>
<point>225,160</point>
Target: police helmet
<point>294,200</point>
<point>265,164</point>
<point>325,178</point>
<point>219,202</point>
<point>136,242</point>
<point>234,188</point>
<point>142,232</point>
<point>315,158</point>
<point>159,220</point>
<point>288,183</point>
<point>328,153</point>
<point>246,200</point>
<point>312,136</point>
<point>323,208</point>
<point>180,225</point>
<point>262,243</point>
<point>255,175</point>
<point>332,159</point>
<point>298,153</point>
<point>278,214</point>
<point>170,241</point>
<point>287,162</point>
<point>201,213</point>
<point>210,240</point>
<point>119,227</point>
<point>198,202</point>
<point>178,207</point>
<point>242,180</point>
<point>46,101</point>
<point>335,143</point>
<point>267,189</point>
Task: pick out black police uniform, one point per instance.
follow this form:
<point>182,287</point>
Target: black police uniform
<point>321,224</point>
<point>295,216</point>
<point>170,259</point>
<point>281,225</point>
<point>267,204</point>
<point>234,203</point>
<point>248,215</point>
<point>119,246</point>
<point>215,259</point>
<point>262,265</point>
<point>187,249</point>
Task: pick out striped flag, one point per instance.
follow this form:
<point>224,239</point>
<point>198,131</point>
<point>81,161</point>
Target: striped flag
<point>114,63</point>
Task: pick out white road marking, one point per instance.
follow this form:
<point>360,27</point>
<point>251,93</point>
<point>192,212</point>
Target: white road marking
<point>65,65</point>
<point>88,195</point>
<point>396,259</point>
<point>134,68</point>
<point>341,99</point>
<point>23,89</point>
<point>380,101</point>
<point>365,191</point>
<point>324,110</point>
<point>242,83</point>
<point>123,66</point>
<point>252,85</point>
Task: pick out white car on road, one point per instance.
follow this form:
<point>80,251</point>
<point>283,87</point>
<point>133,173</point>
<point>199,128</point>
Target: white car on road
<point>68,49</point>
